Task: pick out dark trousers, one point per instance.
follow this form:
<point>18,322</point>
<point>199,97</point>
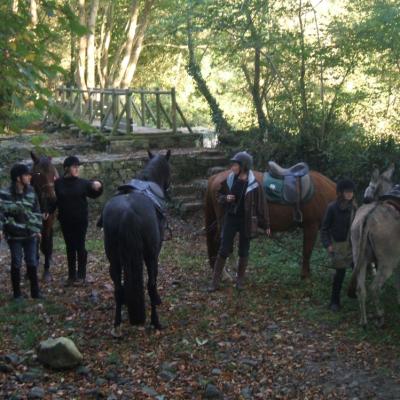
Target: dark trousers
<point>24,249</point>
<point>337,285</point>
<point>74,233</point>
<point>232,225</point>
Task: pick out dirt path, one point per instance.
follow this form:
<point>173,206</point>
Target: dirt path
<point>254,344</point>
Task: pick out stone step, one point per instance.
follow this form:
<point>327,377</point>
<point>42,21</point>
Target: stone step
<point>215,170</point>
<point>190,208</point>
<point>180,200</point>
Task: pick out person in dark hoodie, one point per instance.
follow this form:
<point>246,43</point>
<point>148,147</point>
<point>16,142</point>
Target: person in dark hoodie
<point>20,224</point>
<point>72,192</point>
<point>245,211</point>
<point>335,230</point>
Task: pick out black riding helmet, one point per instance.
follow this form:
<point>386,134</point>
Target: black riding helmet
<point>18,170</point>
<point>70,161</point>
<point>244,159</point>
<point>345,185</point>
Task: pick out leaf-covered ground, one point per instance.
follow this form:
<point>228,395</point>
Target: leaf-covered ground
<point>276,339</point>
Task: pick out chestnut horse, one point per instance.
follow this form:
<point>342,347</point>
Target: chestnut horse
<point>281,216</point>
<point>44,174</point>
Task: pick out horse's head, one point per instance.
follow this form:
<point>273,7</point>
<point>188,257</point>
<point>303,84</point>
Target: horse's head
<point>44,174</point>
<point>379,184</point>
<point>158,170</point>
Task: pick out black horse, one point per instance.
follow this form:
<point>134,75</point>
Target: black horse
<point>133,224</point>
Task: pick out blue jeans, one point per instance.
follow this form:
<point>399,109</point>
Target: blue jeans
<point>24,248</point>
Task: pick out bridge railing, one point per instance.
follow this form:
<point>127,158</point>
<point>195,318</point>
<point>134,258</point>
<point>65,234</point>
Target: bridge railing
<point>121,110</point>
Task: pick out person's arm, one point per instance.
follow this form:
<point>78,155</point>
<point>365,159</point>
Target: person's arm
<point>223,193</point>
<point>326,237</point>
<point>94,188</point>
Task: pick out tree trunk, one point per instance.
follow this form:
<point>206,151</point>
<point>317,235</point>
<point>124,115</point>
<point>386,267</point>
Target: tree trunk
<point>302,85</point>
<point>81,69</point>
<point>194,71</point>
<point>137,49</point>
<point>91,45</point>
<point>104,46</point>
<point>33,12</point>
<point>14,6</point>
<point>127,49</point>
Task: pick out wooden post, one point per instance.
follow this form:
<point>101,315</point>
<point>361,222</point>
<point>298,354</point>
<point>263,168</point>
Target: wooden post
<point>101,107</point>
<point>128,96</point>
<point>90,106</point>
<point>143,109</point>
<point>80,98</point>
<point>158,108</point>
<point>114,108</point>
<point>173,110</point>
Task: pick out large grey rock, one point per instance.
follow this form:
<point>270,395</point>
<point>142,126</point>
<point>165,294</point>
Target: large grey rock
<point>59,353</point>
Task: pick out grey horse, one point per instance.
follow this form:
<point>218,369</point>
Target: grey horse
<point>374,235</point>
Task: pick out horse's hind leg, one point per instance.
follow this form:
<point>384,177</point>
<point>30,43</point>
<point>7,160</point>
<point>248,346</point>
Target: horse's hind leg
<point>310,233</point>
<point>152,272</point>
<point>362,295</point>
<point>381,276</point>
<point>115,273</point>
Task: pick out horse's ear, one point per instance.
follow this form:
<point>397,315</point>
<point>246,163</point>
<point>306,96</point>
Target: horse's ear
<point>151,155</point>
<point>168,155</point>
<point>375,175</point>
<point>389,172</point>
<point>34,157</point>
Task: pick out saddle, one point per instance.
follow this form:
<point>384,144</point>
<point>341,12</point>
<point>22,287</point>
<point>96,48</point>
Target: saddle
<point>289,186</point>
<point>148,189</point>
<point>392,197</point>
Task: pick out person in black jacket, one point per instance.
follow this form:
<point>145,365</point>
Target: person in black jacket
<point>335,228</point>
<point>72,193</point>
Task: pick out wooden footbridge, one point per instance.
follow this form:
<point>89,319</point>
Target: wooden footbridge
<point>146,117</point>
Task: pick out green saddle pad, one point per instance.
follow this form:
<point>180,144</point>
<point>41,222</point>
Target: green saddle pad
<point>273,188</point>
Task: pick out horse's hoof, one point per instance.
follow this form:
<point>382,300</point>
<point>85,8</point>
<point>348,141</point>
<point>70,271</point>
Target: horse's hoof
<point>157,326</point>
<point>116,332</point>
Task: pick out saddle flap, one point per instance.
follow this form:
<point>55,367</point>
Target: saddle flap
<point>291,187</point>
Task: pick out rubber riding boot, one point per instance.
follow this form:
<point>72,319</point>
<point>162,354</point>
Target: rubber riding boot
<point>336,288</point>
<point>242,266</point>
<point>32,273</point>
<point>82,261</point>
<point>217,273</point>
<point>15,282</point>
<point>71,259</point>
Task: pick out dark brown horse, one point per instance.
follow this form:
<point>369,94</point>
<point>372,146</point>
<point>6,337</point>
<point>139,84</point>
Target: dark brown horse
<point>43,176</point>
<point>281,216</point>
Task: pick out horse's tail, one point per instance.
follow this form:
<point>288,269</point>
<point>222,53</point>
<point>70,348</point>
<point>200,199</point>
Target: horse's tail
<point>130,248</point>
<point>361,251</point>
<point>211,223</point>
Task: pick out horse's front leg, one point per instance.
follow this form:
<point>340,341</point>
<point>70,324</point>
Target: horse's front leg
<point>310,233</point>
<point>152,272</point>
<point>46,246</point>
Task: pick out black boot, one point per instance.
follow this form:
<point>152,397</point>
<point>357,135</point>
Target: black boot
<point>32,273</point>
<point>217,274</point>
<point>71,259</point>
<point>82,261</point>
<point>242,266</point>
<point>336,288</point>
<point>15,282</point>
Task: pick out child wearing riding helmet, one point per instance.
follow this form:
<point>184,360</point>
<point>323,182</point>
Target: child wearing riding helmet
<point>21,223</point>
<point>245,210</point>
<point>335,235</point>
<point>72,193</point>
